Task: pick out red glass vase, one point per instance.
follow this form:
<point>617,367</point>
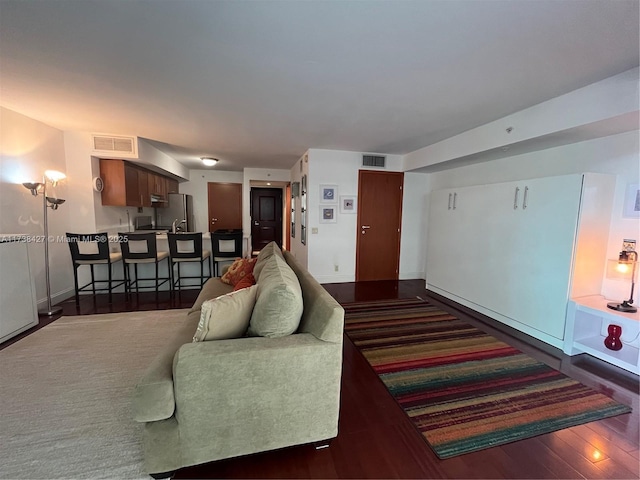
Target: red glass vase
<point>613,342</point>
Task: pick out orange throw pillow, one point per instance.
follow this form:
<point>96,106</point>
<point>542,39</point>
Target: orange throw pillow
<point>245,282</point>
<point>240,268</point>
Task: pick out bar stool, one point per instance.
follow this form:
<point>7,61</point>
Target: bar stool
<point>142,248</point>
<point>93,249</point>
<point>187,247</point>
<point>226,245</point>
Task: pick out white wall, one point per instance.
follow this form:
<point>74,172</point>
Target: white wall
<point>27,149</point>
<point>617,155</point>
<point>334,244</point>
<point>197,187</point>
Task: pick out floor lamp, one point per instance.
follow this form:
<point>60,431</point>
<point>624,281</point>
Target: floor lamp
<point>52,177</point>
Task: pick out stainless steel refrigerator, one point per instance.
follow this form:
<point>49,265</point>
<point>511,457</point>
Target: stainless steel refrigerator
<point>180,208</point>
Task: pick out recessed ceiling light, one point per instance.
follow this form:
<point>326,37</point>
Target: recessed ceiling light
<point>208,161</point>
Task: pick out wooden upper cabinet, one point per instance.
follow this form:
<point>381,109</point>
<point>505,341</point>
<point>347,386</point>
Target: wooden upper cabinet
<point>172,186</point>
<point>127,185</point>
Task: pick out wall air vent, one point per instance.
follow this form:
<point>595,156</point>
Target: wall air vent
<point>373,161</point>
<point>115,145</point>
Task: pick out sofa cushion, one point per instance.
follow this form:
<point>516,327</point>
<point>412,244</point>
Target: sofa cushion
<point>246,281</point>
<point>212,289</point>
<point>279,302</point>
<point>238,270</point>
<point>226,316</point>
<point>269,250</point>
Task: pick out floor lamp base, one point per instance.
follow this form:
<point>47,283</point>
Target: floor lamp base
<point>45,312</point>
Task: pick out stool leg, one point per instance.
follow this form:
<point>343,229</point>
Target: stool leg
<point>93,282</point>
<point>75,282</point>
<point>157,281</point>
<point>201,272</point>
<point>135,270</point>
<point>110,294</point>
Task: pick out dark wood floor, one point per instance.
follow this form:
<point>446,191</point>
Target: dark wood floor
<point>376,439</point>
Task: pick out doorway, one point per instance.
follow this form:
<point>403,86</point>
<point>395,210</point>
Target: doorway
<point>379,225</point>
<point>225,206</point>
<point>266,217</point>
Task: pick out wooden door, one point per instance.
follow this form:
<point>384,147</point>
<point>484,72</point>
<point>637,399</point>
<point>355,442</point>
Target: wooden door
<point>225,206</point>
<point>379,224</point>
<point>266,217</point>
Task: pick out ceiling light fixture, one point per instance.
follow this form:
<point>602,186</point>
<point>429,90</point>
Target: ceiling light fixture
<point>208,161</point>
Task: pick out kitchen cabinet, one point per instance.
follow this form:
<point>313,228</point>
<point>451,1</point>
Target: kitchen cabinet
<point>172,185</point>
<point>128,185</point>
<point>507,250</point>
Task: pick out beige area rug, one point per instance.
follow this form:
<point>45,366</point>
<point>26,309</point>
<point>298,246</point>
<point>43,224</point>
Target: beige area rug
<point>65,395</point>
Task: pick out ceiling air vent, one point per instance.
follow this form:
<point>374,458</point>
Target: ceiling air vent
<point>373,160</point>
<point>126,146</point>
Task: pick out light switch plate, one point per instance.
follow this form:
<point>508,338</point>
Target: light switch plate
<point>314,230</point>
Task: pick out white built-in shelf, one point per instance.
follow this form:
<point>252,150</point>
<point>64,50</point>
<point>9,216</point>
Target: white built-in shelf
<point>586,328</point>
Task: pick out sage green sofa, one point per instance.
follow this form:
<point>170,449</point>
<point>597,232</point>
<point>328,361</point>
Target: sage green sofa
<point>211,400</point>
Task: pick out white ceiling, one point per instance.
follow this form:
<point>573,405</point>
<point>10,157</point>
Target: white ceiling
<point>256,83</point>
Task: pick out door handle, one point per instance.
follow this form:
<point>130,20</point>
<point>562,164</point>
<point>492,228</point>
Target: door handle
<point>255,223</point>
<point>515,199</point>
<point>524,200</point>
<point>449,205</point>
<point>365,226</point>
<point>455,198</point>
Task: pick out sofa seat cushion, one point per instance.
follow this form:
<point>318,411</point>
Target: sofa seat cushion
<point>278,305</point>
<point>226,316</point>
<point>153,397</point>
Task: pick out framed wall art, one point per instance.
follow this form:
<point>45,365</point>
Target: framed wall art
<point>328,214</point>
<point>328,193</point>
<point>348,204</point>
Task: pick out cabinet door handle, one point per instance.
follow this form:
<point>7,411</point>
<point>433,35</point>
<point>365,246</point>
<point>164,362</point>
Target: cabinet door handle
<point>515,198</point>
<point>449,207</point>
<point>455,198</point>
<point>524,199</point>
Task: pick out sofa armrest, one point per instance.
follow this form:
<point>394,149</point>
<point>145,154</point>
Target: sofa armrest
<point>253,394</point>
<point>153,397</point>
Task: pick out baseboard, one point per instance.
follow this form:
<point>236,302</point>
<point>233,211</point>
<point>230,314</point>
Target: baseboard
<point>334,278</point>
<point>57,297</point>
<point>412,275</point>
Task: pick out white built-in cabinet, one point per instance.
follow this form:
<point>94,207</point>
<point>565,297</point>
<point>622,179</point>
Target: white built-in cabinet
<point>18,311</point>
<point>508,250</point>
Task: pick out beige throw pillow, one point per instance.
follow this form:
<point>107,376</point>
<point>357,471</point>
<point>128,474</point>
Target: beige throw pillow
<point>227,316</point>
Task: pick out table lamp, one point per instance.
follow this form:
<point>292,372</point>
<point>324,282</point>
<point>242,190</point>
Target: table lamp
<point>625,264</point>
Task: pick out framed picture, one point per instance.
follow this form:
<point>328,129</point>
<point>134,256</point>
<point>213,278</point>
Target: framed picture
<point>632,202</point>
<point>328,193</point>
<point>348,204</point>
<point>328,214</point>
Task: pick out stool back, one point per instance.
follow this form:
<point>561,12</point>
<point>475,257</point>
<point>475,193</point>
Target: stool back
<point>138,246</point>
<point>185,245</point>
<point>226,244</point>
<point>88,247</point>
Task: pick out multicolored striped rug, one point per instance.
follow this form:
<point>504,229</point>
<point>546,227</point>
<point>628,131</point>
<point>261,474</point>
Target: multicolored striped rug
<point>464,389</point>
